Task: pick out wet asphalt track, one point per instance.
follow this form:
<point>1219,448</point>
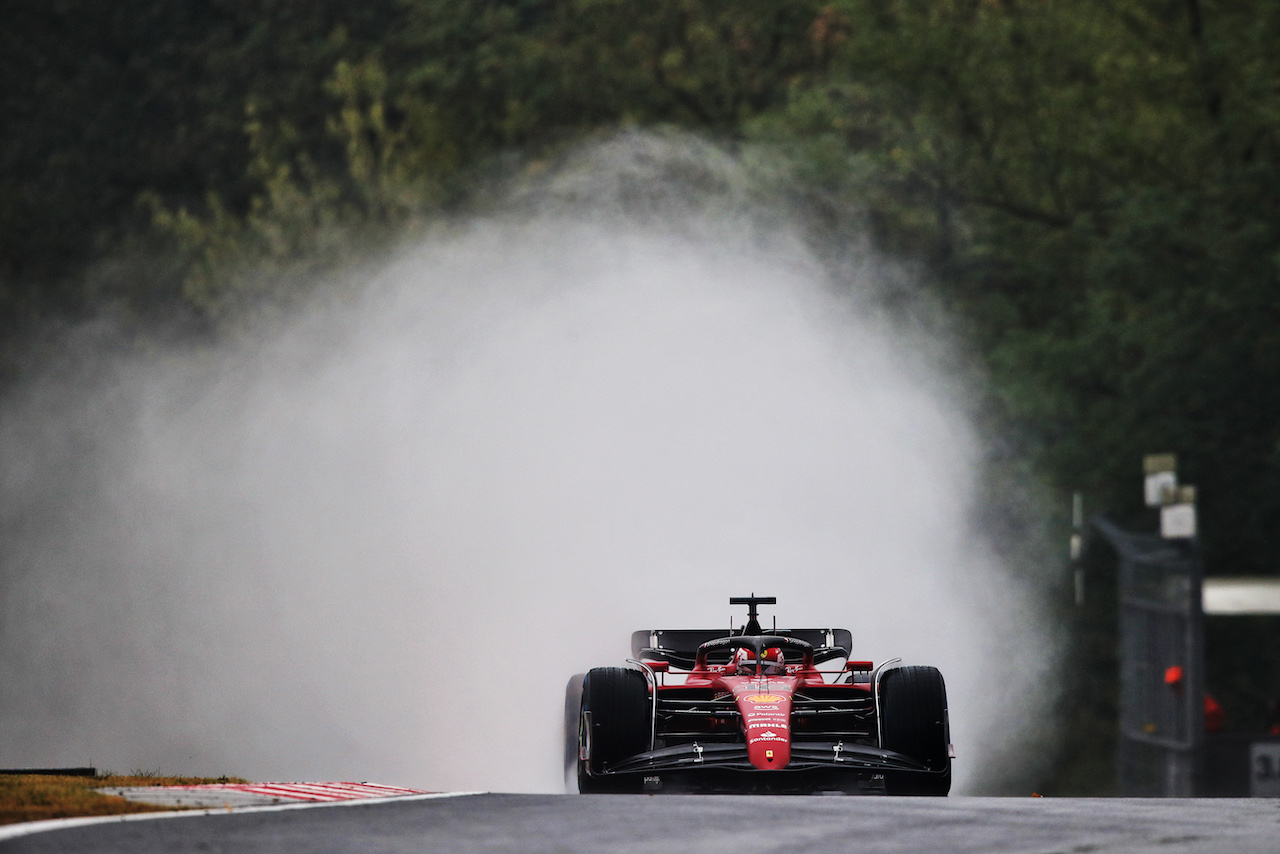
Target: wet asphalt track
<point>671,823</point>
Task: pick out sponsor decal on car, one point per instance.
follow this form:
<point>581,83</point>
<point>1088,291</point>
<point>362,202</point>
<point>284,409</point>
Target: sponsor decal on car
<point>765,698</point>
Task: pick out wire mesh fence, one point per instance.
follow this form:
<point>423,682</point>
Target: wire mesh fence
<point>1161,662</point>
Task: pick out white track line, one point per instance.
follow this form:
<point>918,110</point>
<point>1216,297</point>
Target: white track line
<point>11,831</point>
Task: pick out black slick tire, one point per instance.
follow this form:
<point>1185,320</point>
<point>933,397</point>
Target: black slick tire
<point>913,720</point>
<point>572,714</point>
<point>613,724</point>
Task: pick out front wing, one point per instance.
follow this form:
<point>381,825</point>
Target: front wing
<point>815,766</point>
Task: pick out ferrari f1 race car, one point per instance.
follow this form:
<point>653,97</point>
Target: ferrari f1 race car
<point>751,711</point>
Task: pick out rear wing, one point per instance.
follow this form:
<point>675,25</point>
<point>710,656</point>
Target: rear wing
<point>680,646</point>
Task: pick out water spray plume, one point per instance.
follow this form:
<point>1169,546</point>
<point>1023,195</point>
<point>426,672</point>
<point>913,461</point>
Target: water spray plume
<point>376,546</point>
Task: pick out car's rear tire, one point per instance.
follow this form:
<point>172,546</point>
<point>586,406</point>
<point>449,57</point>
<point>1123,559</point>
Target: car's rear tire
<point>572,715</point>
<point>613,724</point>
<point>913,721</point>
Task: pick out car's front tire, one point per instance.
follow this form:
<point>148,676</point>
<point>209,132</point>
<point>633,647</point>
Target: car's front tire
<point>613,724</point>
<point>913,721</point>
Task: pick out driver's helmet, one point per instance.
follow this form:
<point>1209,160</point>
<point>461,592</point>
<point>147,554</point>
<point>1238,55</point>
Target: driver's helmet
<point>773,662</point>
<point>744,661</point>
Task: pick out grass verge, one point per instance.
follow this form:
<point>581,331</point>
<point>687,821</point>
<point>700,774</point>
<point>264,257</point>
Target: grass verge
<point>33,797</point>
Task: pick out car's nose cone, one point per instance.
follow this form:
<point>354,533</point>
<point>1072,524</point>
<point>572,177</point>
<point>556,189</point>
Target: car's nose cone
<point>765,706</point>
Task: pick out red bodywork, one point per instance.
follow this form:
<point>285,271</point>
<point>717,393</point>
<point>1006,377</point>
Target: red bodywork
<point>764,703</point>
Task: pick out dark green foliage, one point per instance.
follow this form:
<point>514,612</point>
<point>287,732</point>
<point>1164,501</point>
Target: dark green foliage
<point>106,102</point>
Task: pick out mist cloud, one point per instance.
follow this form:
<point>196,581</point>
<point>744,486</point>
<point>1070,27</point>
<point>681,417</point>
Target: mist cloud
<point>375,544</point>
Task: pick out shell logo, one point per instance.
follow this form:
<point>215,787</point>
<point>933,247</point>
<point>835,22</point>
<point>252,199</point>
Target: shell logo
<point>764,698</point>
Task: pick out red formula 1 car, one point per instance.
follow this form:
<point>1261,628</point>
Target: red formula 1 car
<point>751,711</point>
